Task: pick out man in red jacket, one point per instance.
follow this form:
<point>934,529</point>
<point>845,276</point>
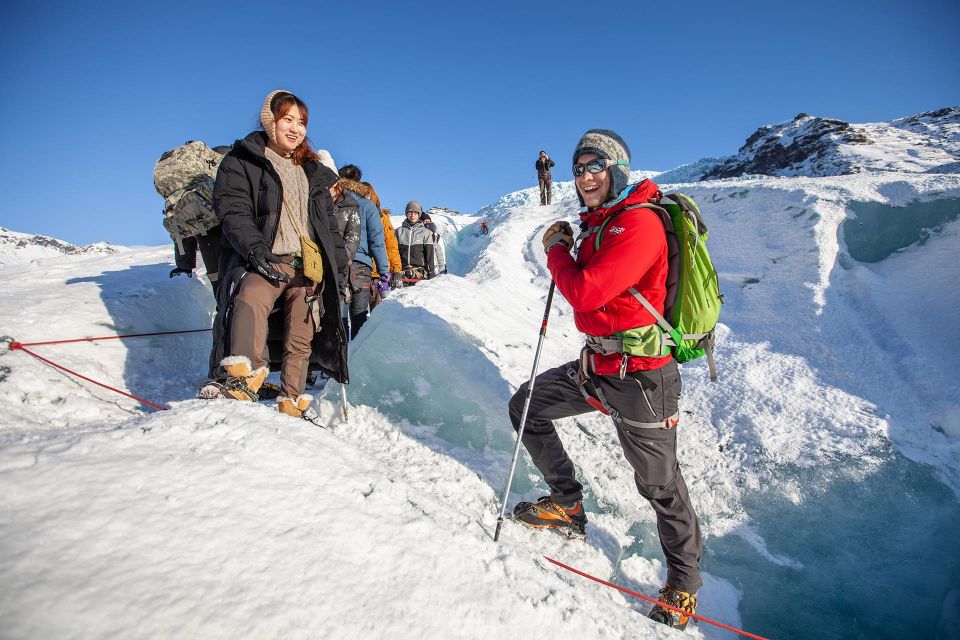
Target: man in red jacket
<point>623,370</point>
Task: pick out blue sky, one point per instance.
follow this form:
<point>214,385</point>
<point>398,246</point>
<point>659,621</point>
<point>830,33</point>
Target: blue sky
<point>444,102</point>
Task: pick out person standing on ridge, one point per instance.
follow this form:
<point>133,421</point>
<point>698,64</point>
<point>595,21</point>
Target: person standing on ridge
<point>543,165</point>
<point>639,389</point>
<point>415,243</point>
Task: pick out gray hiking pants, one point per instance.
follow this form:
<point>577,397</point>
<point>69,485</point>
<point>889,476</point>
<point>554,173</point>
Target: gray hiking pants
<point>651,452</point>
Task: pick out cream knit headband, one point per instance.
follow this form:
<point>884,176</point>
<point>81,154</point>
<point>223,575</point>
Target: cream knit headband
<point>267,120</point>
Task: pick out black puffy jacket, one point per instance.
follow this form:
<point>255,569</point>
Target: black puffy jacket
<point>247,200</point>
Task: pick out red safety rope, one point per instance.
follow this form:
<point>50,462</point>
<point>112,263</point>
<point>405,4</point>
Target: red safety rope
<point>657,602</point>
<point>129,335</point>
<point>21,346</point>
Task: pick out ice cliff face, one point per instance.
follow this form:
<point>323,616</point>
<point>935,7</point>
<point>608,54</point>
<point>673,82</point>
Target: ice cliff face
<point>815,147</point>
<point>22,248</point>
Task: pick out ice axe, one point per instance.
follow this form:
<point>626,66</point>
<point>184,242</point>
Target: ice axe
<point>526,409</point>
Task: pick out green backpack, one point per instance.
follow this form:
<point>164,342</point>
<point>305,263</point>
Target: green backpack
<point>693,300</point>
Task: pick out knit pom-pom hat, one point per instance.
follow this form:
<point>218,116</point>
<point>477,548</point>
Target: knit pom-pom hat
<point>609,146</point>
<point>267,120</point>
<point>327,160</point>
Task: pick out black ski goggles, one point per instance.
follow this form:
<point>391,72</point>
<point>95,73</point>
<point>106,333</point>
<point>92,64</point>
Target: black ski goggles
<point>597,165</point>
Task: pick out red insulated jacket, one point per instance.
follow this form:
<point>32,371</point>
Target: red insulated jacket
<point>633,253</point>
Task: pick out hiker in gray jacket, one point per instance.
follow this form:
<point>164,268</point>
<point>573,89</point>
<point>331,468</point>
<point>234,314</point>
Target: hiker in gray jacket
<point>416,246</point>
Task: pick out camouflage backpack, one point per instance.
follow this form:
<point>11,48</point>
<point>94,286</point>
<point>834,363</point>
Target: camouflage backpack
<point>185,177</point>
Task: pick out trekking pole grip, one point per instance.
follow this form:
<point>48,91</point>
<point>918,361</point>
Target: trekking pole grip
<point>526,409</point>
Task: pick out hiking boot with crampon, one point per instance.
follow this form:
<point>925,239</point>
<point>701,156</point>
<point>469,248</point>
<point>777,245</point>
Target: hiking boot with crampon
<point>674,598</point>
<point>235,380</point>
<point>294,407</point>
<point>547,514</point>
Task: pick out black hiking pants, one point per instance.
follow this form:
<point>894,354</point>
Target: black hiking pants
<point>360,301</point>
<point>209,247</point>
<point>651,452</point>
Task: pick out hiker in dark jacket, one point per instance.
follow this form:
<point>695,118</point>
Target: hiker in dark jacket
<point>270,192</point>
<point>346,206</point>
<point>543,165</point>
<point>415,243</point>
<point>638,385</point>
<point>372,247</point>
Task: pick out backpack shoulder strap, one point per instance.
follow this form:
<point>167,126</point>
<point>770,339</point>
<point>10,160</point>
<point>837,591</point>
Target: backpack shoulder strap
<point>660,211</point>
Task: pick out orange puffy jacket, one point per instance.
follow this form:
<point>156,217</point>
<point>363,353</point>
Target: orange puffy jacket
<point>393,251</point>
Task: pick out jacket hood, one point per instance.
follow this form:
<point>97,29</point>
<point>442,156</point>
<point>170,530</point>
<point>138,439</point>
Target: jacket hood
<point>346,200</point>
<point>254,143</point>
<point>410,225</point>
<point>358,188</point>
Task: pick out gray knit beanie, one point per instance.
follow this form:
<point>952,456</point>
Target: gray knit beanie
<point>413,205</point>
<point>609,146</point>
<point>266,115</point>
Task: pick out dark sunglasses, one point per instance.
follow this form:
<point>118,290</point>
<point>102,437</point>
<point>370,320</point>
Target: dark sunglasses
<point>597,165</point>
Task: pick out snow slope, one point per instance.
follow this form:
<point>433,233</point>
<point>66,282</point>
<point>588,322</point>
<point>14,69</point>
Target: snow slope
<point>825,464</point>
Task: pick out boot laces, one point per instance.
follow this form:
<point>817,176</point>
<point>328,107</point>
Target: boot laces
<point>678,599</point>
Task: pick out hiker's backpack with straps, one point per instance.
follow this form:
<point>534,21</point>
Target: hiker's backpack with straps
<point>185,177</point>
<point>692,305</point>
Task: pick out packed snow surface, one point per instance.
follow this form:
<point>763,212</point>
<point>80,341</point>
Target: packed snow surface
<point>825,463</point>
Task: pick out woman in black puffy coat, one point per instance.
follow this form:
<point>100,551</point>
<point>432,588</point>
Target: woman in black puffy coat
<point>271,190</point>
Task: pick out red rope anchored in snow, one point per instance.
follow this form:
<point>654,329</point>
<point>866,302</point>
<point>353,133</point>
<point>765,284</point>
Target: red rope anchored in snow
<point>21,346</point>
<point>129,335</point>
<point>651,600</point>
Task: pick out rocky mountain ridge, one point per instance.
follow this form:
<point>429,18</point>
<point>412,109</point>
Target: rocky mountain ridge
<point>23,248</point>
<point>814,146</point>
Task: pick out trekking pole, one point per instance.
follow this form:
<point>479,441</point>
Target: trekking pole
<point>526,409</point>
<point>343,387</point>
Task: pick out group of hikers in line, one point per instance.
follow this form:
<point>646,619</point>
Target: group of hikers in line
<point>302,237</point>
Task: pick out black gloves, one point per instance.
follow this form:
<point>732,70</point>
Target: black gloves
<point>261,258</point>
<point>177,271</point>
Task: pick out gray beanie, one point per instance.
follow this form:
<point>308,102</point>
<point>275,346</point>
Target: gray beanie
<point>609,146</point>
<point>413,205</point>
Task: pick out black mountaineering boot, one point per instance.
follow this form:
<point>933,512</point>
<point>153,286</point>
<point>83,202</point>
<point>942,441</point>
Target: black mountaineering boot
<point>547,514</point>
<point>674,598</point>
